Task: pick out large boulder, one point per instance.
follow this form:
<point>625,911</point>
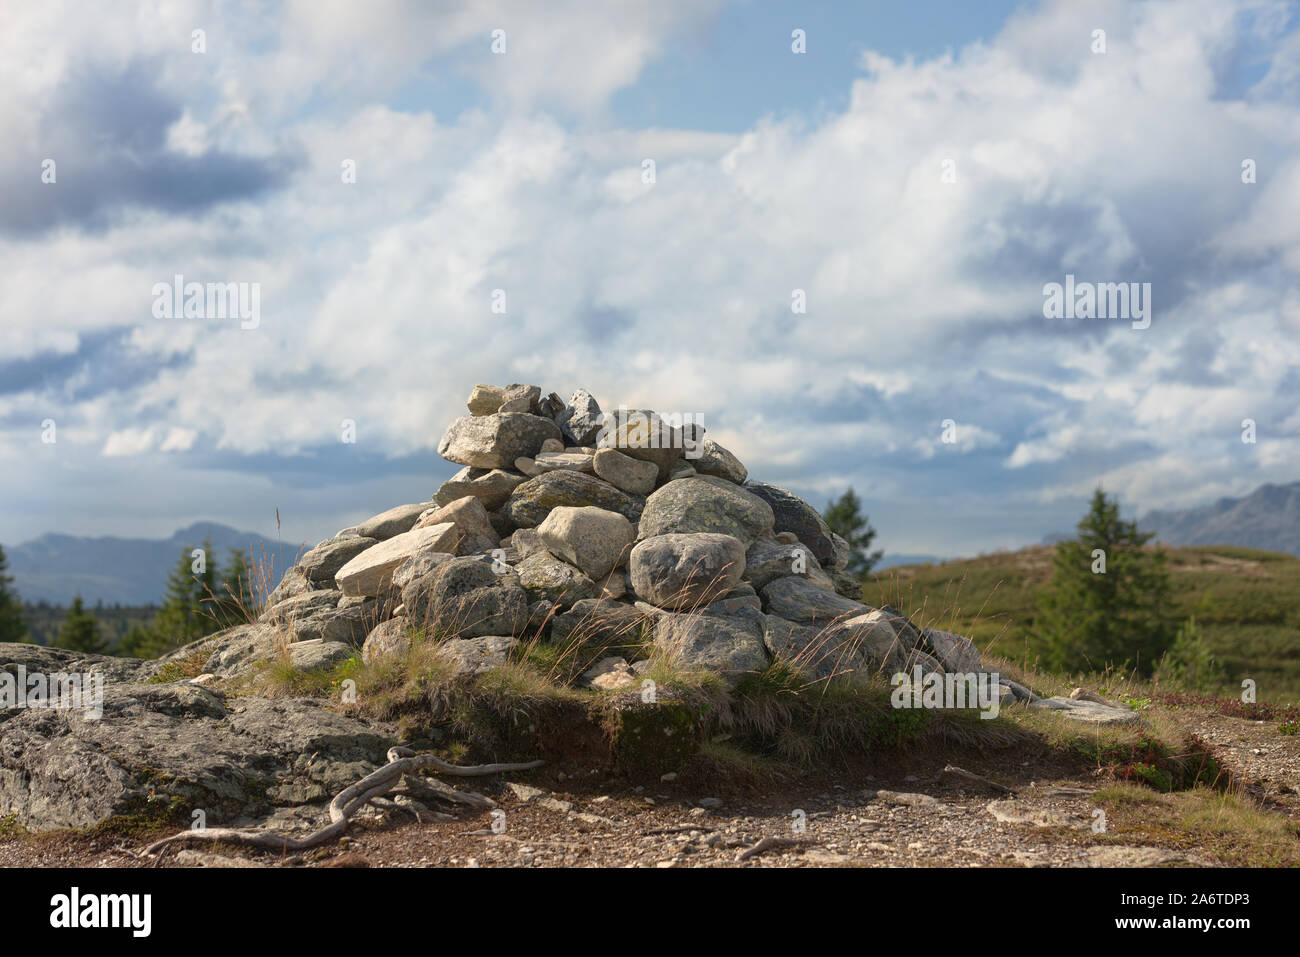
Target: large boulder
<point>624,472</point>
<point>371,572</point>
<point>387,524</point>
<point>581,420</point>
<point>322,563</point>
<point>798,599</point>
<point>715,460</point>
<point>546,578</point>
<point>643,435</point>
<point>473,656</point>
<point>470,518</point>
<point>495,441</point>
<point>684,570</point>
<point>160,750</point>
<point>793,514</point>
<point>706,504</point>
<point>596,540</point>
<point>532,501</point>
<point>855,647</point>
<point>955,652</point>
<point>603,624</point>
<point>721,638</point>
<point>466,598</point>
<point>392,637</point>
<point>490,486</point>
<point>768,559</point>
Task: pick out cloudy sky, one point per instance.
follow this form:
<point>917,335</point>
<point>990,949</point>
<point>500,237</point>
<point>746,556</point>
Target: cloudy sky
<point>919,174</point>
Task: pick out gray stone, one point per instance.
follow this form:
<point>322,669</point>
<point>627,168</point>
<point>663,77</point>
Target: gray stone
<point>624,472</point>
<point>546,578</point>
<point>473,656</point>
<point>797,599</point>
<point>581,420</point>
<point>1088,712</point>
<point>177,746</point>
<point>371,572</point>
<point>495,441</point>
<point>730,644</point>
<point>793,514</point>
<point>392,637</point>
<point>490,486</point>
<point>684,570</point>
<point>532,501</point>
<point>395,521</point>
<point>595,540</point>
<point>600,623</point>
<point>485,399</point>
<point>322,563</point>
<point>520,398</point>
<point>319,655</point>
<point>706,504</point>
<point>768,559</point>
<point>954,652</point>
<point>464,597</point>
<point>471,520</point>
<point>550,461</point>
<point>852,648</point>
<point>715,460</point>
<point>417,566</point>
<point>644,435</point>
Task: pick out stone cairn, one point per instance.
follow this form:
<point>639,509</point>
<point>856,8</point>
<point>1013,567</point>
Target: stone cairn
<point>567,524</point>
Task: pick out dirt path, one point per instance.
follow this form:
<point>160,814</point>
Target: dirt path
<point>912,815</point>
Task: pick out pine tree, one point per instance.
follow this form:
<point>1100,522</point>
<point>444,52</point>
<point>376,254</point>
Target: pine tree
<point>12,626</point>
<point>845,518</point>
<point>80,631</point>
<point>187,610</point>
<point>138,642</point>
<point>1107,602</point>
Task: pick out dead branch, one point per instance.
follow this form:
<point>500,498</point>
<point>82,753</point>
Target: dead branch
<point>768,843</point>
<point>401,761</point>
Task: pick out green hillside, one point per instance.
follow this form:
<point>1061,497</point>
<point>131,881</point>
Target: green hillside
<point>1247,603</point>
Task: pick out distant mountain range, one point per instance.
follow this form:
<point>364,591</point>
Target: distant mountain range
<point>1267,518</point>
<point>129,571</point>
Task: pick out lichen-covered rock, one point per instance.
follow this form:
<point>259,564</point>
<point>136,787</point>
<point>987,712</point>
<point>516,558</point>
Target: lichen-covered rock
<point>490,486</point>
<point>624,472</point>
<point>495,441</point>
<point>843,649</point>
<point>322,563</point>
<point>685,570</point>
<point>724,640</point>
<point>392,637</point>
<point>954,652</point>
<point>581,420</point>
<point>715,460</point>
<point>596,540</point>
<point>473,656</point>
<point>470,518</point>
<point>642,434</point>
<point>387,524</point>
<point>600,623</point>
<point>768,559</point>
<point>159,751</point>
<point>371,572</point>
<point>706,504</point>
<point>464,597</point>
<point>546,578</point>
<point>793,514</point>
<point>798,599</point>
<point>531,502</point>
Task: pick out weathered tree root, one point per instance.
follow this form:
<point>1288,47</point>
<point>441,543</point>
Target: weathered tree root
<point>401,761</point>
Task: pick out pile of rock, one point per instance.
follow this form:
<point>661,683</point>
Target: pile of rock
<point>565,521</point>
